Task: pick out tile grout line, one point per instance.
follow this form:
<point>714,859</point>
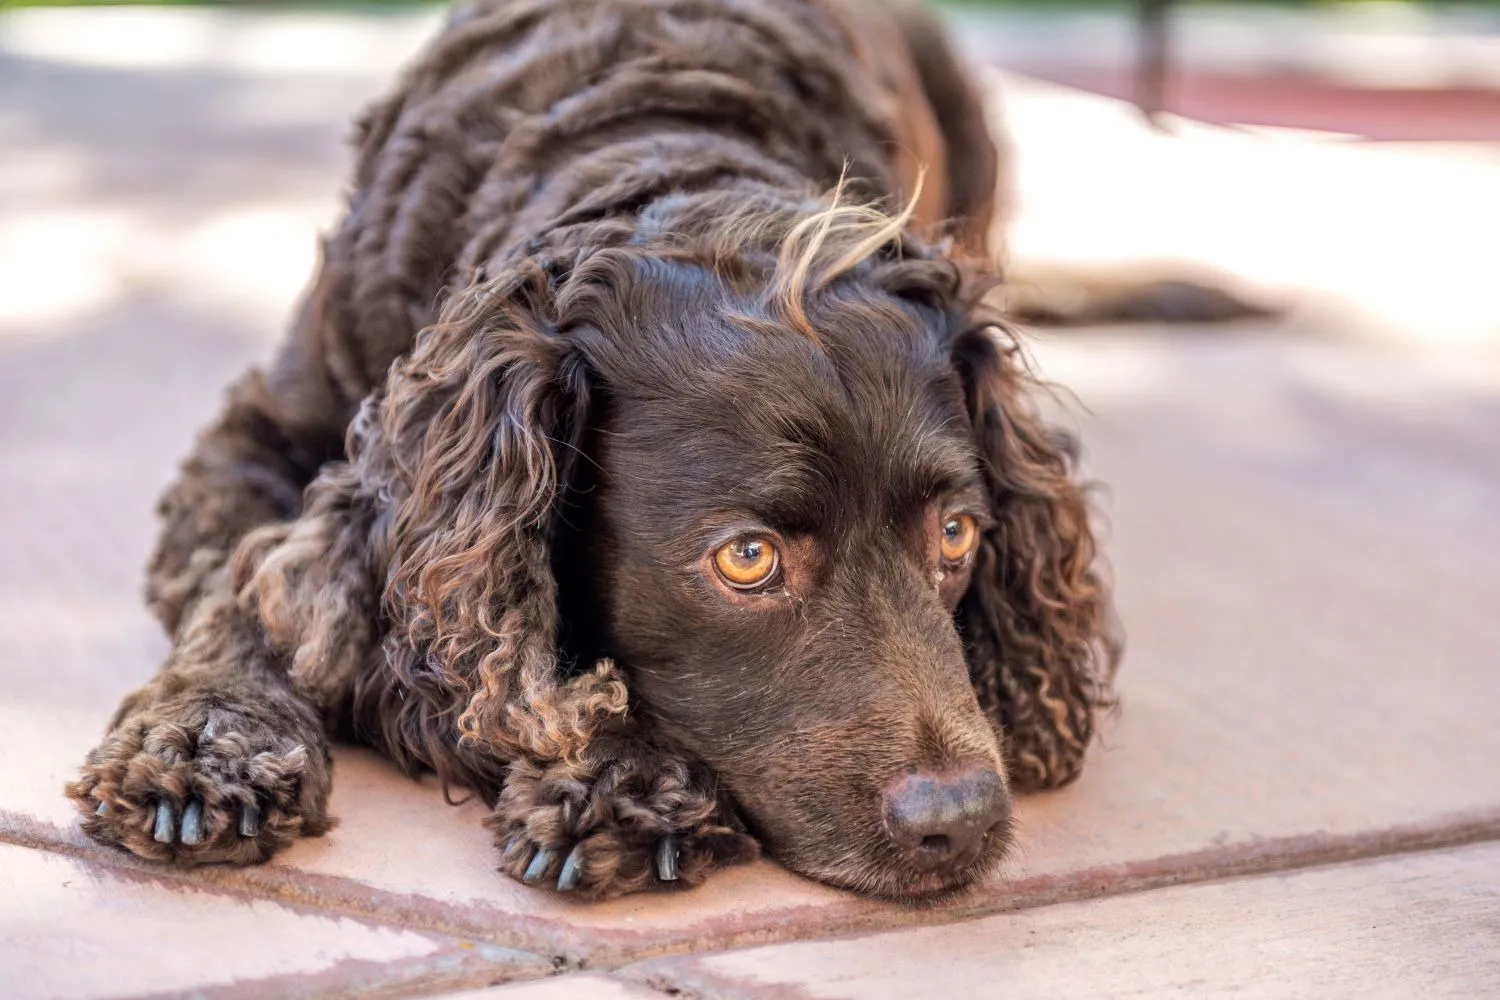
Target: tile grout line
<point>689,980</point>
<point>286,886</point>
<point>573,947</point>
<point>457,963</point>
<point>448,970</point>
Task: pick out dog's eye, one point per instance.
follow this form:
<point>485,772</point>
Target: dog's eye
<point>747,562</point>
<point>959,535</point>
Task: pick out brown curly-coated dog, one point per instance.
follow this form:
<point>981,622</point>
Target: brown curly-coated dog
<point>617,471</point>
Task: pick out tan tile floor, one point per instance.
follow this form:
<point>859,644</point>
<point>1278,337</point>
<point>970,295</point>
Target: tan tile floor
<point>76,928</point>
<point>1302,528</point>
<point>1372,928</point>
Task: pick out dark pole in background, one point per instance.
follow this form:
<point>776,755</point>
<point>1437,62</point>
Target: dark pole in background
<point>1152,63</point>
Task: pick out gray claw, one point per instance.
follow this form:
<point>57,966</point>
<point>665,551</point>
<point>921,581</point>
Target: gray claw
<point>102,810</point>
<point>192,823</point>
<point>165,831</point>
<point>539,865</point>
<point>572,870</point>
<point>512,847</point>
<point>250,821</point>
<point>666,858</point>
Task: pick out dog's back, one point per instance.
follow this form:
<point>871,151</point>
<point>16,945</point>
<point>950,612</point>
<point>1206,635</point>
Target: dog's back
<point>527,115</point>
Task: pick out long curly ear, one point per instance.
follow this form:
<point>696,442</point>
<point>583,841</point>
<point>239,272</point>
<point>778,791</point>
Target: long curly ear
<point>470,431</point>
<point>1037,620</point>
<point>436,531</point>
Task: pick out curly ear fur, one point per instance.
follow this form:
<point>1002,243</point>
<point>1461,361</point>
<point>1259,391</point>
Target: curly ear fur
<point>438,527</point>
<point>1037,619</point>
<point>470,419</point>
<point>313,586</point>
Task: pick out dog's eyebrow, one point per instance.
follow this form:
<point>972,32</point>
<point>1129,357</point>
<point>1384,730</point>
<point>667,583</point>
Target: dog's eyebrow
<point>935,456</point>
<point>939,465</point>
<point>793,486</point>
<point>800,484</point>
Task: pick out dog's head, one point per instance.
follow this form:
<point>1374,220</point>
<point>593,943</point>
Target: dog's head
<point>787,477</point>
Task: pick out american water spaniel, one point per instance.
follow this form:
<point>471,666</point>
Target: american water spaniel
<point>645,459</point>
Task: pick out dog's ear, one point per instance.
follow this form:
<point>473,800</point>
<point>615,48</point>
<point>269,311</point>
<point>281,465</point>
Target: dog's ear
<point>476,423</point>
<point>1036,621</point>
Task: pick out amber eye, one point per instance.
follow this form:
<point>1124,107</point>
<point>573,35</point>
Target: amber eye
<point>959,535</point>
<point>747,562</point>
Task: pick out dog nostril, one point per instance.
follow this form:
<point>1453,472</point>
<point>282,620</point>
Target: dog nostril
<point>944,821</point>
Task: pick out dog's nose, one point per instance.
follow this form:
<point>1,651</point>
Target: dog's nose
<point>941,821</point>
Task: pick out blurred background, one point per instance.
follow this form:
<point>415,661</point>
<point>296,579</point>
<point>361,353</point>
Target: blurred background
<point>1335,159</point>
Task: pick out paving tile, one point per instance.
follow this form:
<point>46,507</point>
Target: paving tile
<point>1309,612</point>
<point>1302,534</point>
<point>69,929</point>
<point>1306,574</point>
<point>581,986</point>
<point>1423,925</point>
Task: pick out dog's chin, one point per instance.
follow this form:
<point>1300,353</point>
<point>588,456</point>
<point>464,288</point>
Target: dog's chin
<point>883,876</point>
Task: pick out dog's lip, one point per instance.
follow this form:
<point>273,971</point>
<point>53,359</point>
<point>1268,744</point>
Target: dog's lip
<point>929,889</point>
<point>897,882</point>
<point>965,877</point>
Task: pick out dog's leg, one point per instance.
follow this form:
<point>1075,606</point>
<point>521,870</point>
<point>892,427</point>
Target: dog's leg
<point>634,813</point>
<point>217,758</point>
<point>276,431</point>
<point>247,469</point>
<point>223,756</point>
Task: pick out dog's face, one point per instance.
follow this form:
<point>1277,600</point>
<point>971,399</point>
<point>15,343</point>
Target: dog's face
<point>772,536</point>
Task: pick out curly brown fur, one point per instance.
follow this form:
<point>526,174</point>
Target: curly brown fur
<point>1043,651</point>
<point>654,329</point>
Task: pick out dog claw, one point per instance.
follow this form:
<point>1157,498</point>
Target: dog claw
<point>572,870</point>
<point>539,865</point>
<point>250,821</point>
<point>165,831</point>
<point>666,858</point>
<point>192,824</point>
<point>512,847</point>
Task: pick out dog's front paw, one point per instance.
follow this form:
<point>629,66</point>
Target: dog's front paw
<point>637,822</point>
<point>193,781</point>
